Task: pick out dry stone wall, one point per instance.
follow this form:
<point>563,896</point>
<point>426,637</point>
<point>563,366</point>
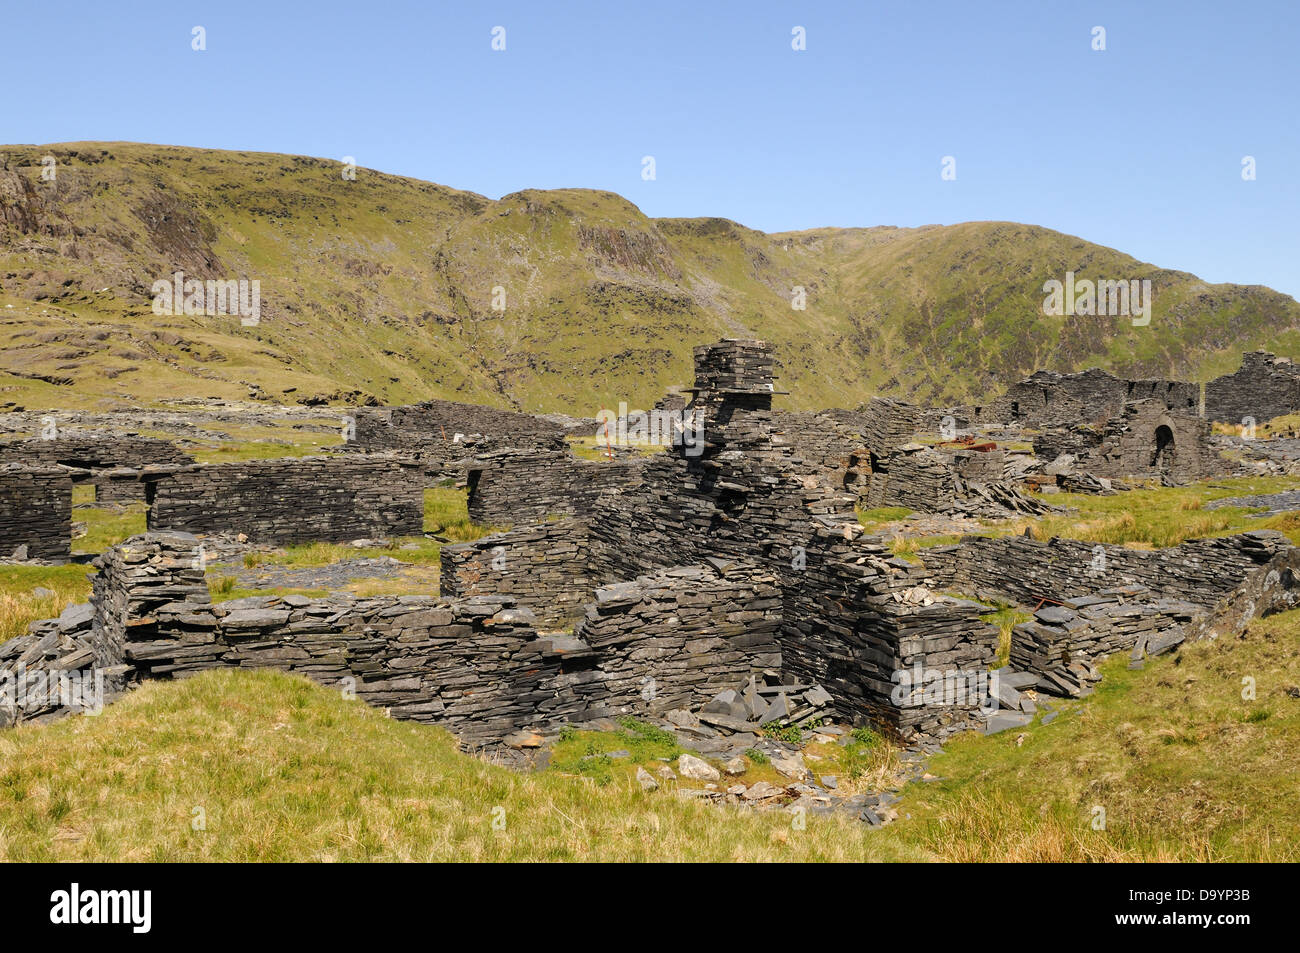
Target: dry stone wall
<point>289,501</point>
<point>513,487</point>
<point>856,619</point>
<point>1265,386</point>
<point>114,461</point>
<point>676,638</point>
<point>1047,399</point>
<point>1062,641</point>
<point>477,665</point>
<point>35,513</point>
<point>546,566</point>
<point>1026,571</point>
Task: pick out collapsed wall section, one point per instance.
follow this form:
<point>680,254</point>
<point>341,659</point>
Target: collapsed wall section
<point>1062,641</point>
<point>291,501</point>
<point>35,513</point>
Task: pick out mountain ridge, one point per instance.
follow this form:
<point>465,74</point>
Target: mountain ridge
<point>382,290</point>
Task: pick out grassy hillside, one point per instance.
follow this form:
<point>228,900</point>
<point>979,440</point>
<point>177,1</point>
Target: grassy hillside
<point>382,289</point>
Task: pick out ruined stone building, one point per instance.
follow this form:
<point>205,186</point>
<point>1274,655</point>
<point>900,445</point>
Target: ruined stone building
<point>1265,386</point>
<point>1144,440</point>
<point>111,462</point>
<point>656,586</point>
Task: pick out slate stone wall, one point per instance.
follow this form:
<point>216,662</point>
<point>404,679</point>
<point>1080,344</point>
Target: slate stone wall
<point>916,477</point>
<point>95,451</point>
<point>1049,399</point>
<point>1145,440</point>
<point>513,487</point>
<point>1063,641</point>
<point>855,617</point>
<point>417,426</point>
<point>1264,387</point>
<point>326,499</point>
<point>1024,571</point>
<point>476,664</point>
<point>545,566</point>
<point>35,513</point>
<point>124,455</point>
<point>676,638</point>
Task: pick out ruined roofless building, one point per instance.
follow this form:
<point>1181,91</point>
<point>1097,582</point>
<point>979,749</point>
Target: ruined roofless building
<point>1145,440</point>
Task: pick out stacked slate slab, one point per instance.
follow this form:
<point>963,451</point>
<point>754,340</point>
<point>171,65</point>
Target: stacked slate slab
<point>510,487</point>
<point>477,665</point>
<point>1063,641</point>
<point>54,669</point>
<point>546,566</point>
<point>307,499</point>
<point>915,477</point>
<point>945,479</point>
<point>1025,571</point>
<point>35,513</point>
<point>113,460</point>
<point>856,617</point>
<point>676,638</point>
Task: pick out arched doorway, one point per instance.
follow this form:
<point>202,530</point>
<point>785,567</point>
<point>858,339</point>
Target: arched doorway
<point>1162,460</point>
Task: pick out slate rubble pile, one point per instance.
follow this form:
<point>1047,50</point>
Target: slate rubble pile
<point>1063,642</point>
<point>34,670</point>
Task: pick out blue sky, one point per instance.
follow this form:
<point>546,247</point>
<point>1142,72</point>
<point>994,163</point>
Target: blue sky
<point>1138,147</point>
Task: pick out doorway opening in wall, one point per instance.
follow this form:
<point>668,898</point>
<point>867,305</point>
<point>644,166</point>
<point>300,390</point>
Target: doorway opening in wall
<point>1163,458</point>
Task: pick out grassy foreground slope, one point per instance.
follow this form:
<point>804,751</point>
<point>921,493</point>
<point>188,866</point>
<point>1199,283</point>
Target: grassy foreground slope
<point>280,769</point>
<point>237,765</point>
<point>382,288</point>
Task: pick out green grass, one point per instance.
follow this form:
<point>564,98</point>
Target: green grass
<point>587,753</point>
<point>18,607</point>
<point>445,514</point>
<point>873,517</point>
<point>1157,517</point>
<point>1006,618</point>
<point>108,527</point>
<point>279,769</point>
<point>1183,766</point>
